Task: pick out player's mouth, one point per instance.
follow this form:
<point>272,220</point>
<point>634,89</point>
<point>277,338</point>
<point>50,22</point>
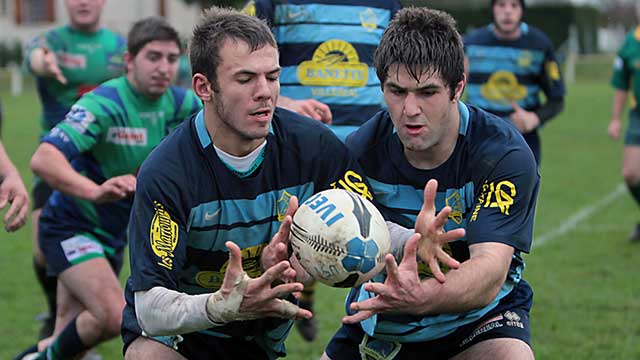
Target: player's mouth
<point>261,114</point>
<point>414,129</point>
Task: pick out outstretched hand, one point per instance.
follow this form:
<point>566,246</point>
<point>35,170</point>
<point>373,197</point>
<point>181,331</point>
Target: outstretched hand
<point>433,236</point>
<point>258,298</point>
<point>401,291</point>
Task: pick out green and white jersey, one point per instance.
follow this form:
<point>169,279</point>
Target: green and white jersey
<point>109,132</point>
<point>626,67</point>
<point>86,60</point>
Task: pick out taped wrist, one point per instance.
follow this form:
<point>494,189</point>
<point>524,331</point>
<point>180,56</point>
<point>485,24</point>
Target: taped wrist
<point>222,310</point>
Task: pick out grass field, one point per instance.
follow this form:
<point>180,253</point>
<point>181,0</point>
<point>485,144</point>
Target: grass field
<point>583,271</point>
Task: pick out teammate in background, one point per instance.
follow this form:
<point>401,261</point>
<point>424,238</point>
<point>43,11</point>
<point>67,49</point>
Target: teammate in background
<point>476,168</point>
<point>12,194</point>
<point>91,159</point>
<point>509,63</point>
<point>213,205</point>
<point>67,62</point>
<point>326,53</point>
<point>626,76</point>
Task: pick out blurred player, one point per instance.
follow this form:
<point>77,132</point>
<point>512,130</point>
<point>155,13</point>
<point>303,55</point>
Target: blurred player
<point>67,62</point>
<point>509,64</point>
<point>212,212</point>
<point>91,159</point>
<point>626,77</point>
<point>481,177</point>
<point>326,53</point>
<point>13,195</point>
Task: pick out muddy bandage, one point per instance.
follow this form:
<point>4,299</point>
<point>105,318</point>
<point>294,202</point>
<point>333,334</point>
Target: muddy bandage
<point>222,310</point>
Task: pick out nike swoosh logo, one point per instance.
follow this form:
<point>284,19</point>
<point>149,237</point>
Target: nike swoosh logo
<point>209,217</point>
<point>292,15</point>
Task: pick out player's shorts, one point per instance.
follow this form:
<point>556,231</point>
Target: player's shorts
<point>199,345</point>
<point>503,322</point>
<point>63,247</point>
<point>632,136</point>
<point>40,192</point>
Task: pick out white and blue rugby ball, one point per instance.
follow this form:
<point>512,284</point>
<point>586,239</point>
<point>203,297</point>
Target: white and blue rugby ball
<point>339,238</point>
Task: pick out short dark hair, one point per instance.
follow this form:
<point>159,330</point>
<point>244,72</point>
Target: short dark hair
<point>150,29</point>
<point>217,25</point>
<point>424,41</point>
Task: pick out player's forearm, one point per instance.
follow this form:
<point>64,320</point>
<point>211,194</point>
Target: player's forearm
<point>399,236</point>
<point>50,164</point>
<point>161,311</point>
<point>619,100</point>
<point>472,286</point>
<point>550,109</point>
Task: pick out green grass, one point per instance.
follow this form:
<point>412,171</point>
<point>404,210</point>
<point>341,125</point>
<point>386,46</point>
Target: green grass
<point>585,281</point>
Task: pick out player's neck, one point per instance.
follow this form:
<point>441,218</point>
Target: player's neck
<point>507,35</point>
<point>228,139</point>
<point>90,28</point>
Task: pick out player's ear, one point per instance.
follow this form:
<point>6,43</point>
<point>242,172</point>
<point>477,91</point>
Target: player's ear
<point>457,94</point>
<point>128,62</point>
<point>202,87</point>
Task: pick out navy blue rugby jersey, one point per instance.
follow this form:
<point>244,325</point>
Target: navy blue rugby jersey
<point>490,181</point>
<point>502,71</point>
<point>326,51</point>
<point>188,203</point>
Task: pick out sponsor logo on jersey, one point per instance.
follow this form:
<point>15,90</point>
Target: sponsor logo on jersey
<point>79,118</point>
<point>250,264</point>
<point>500,195</point>
<point>334,63</point>
<point>503,86</point>
<point>152,117</point>
<point>352,181</point>
<point>368,19</point>
<point>72,61</point>
<point>282,205</point>
<point>636,33</point>
<point>455,202</point>
<point>127,136</point>
<point>163,235</point>
<point>551,67</point>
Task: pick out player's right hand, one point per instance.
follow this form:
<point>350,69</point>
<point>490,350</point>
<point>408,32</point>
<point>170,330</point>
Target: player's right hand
<point>50,66</point>
<point>114,189</point>
<point>243,298</point>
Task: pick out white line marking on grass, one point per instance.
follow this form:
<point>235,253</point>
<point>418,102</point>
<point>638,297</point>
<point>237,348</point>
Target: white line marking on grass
<point>572,222</point>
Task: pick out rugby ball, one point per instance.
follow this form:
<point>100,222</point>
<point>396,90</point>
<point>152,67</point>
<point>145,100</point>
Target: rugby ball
<point>339,238</point>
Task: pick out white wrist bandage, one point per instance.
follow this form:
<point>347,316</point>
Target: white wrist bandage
<point>222,310</point>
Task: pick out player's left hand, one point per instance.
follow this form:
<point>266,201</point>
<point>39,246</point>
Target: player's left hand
<point>401,291</point>
<point>525,121</point>
<point>277,249</point>
<point>433,235</point>
<point>12,191</point>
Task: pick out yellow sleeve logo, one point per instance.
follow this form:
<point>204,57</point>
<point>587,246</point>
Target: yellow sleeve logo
<point>493,195</point>
<point>552,70</point>
<point>163,235</point>
<point>352,181</point>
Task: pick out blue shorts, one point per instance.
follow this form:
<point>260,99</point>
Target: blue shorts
<point>64,247</point>
<point>632,135</point>
<point>502,322</point>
